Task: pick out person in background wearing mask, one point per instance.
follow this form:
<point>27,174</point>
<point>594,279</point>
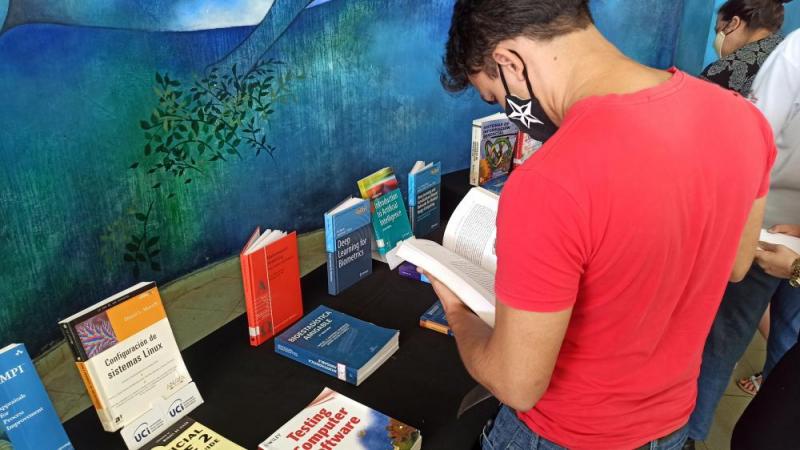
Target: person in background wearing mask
<point>771,420</point>
<point>775,93</point>
<point>747,32</point>
<point>605,288</point>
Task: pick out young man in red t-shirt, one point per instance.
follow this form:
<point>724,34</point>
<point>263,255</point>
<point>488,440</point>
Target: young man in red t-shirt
<point>615,241</point>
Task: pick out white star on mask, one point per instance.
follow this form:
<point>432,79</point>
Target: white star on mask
<point>523,113</point>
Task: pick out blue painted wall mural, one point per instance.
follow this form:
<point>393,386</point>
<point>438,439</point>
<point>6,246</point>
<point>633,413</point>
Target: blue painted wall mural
<point>146,139</point>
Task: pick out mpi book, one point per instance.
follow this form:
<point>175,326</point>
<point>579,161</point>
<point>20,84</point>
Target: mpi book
<point>126,354</point>
<point>28,420</point>
<point>333,421</point>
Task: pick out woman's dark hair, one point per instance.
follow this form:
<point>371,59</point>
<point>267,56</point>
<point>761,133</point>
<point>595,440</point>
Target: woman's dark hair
<point>479,25</point>
<point>766,14</point>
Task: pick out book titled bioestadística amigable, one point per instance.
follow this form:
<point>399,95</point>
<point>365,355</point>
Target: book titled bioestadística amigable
<point>338,345</point>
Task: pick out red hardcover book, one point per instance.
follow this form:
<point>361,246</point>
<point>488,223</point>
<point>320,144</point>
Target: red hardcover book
<point>271,277</point>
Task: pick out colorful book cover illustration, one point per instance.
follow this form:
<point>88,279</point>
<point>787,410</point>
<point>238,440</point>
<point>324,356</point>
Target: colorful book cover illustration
<point>494,139</point>
<point>435,319</point>
<point>189,434</point>
<point>424,197</point>
<point>389,218</point>
<point>348,244</point>
<point>28,420</point>
<point>132,361</point>
<point>333,421</point>
<point>337,344</point>
<point>270,266</point>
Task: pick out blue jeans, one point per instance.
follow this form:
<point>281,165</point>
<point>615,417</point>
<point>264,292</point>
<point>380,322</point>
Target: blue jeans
<point>784,325</point>
<point>741,309</point>
<point>509,433</point>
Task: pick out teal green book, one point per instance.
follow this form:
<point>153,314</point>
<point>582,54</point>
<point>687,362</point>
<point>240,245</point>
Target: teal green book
<point>389,215</point>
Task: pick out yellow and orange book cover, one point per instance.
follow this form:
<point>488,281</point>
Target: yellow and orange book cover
<point>187,434</point>
<point>127,355</point>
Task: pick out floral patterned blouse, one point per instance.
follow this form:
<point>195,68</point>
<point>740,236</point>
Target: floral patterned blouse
<point>738,70</point>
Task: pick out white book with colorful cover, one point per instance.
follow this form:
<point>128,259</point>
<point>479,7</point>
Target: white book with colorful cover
<point>335,421</point>
<point>466,261</point>
<point>126,355</point>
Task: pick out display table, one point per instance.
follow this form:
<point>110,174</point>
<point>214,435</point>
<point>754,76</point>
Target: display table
<point>250,392</point>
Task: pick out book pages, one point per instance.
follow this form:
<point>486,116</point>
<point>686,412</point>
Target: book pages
<point>474,285</point>
<point>781,239</point>
<point>471,231</point>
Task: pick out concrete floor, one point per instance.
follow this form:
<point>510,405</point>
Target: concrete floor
<point>202,302</point>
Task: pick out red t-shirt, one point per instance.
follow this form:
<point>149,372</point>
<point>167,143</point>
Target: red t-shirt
<point>631,215</point>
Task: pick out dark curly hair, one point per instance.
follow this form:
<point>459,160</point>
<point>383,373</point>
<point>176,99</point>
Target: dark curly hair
<point>479,25</point>
<point>766,14</point>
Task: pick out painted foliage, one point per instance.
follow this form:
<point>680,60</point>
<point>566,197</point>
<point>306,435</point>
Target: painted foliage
<point>145,139</point>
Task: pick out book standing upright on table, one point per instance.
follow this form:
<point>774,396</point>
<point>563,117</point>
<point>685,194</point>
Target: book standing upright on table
<point>28,420</point>
<point>494,140</point>
<point>424,197</point>
<point>389,216</point>
<point>271,278</point>
<point>126,355</point>
<point>348,244</point>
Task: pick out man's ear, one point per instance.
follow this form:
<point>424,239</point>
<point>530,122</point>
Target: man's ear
<point>510,63</point>
<point>733,25</point>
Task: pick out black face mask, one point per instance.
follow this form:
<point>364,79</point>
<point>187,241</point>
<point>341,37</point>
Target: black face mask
<point>528,115</point>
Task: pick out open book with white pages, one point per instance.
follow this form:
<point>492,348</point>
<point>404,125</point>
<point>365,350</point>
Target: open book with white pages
<point>781,239</point>
<point>466,261</point>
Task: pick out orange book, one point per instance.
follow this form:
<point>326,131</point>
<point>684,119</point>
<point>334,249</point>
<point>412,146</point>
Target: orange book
<point>271,277</point>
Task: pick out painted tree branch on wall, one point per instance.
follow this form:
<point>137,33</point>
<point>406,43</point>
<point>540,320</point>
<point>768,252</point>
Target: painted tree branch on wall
<point>198,125</point>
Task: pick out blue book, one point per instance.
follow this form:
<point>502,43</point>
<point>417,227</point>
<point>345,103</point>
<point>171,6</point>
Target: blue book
<point>348,244</point>
<point>435,319</point>
<point>337,344</point>
<point>27,418</point>
<point>424,197</point>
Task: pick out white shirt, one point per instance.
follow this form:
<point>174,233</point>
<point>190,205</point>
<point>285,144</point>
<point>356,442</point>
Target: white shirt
<point>776,92</point>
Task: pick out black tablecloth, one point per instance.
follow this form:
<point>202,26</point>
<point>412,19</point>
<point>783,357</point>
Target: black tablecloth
<point>250,392</point>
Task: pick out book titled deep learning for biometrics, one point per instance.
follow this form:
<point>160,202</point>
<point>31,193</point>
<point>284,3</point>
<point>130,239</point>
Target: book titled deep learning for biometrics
<point>337,344</point>
<point>389,216</point>
<point>126,354</point>
<point>335,422</point>
<point>27,418</point>
<point>347,243</point>
<point>424,197</point>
